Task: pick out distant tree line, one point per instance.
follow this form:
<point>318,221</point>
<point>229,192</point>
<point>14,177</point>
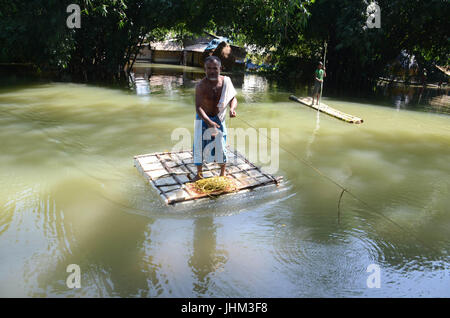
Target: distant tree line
<point>292,31</point>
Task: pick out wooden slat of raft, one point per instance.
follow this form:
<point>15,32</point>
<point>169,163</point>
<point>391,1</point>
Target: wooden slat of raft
<point>264,174</point>
<point>324,108</point>
<point>168,173</point>
<point>179,192</point>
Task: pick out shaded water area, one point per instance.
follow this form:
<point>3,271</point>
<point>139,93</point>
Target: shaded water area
<point>69,194</point>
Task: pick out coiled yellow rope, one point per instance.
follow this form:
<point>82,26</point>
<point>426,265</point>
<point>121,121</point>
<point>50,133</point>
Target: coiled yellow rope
<point>215,185</point>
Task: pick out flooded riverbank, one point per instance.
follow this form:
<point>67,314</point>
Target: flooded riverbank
<point>70,195</point>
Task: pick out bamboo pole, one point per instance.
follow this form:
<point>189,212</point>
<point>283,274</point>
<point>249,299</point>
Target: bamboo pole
<point>321,84</point>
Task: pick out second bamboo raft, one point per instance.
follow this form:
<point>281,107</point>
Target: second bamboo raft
<point>324,108</point>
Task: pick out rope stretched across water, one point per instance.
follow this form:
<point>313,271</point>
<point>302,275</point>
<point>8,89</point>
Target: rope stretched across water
<point>344,189</point>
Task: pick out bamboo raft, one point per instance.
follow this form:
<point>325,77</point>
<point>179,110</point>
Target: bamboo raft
<point>444,70</point>
<point>171,174</point>
<point>324,108</point>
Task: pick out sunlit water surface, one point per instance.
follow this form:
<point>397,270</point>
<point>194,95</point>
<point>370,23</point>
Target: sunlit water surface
<point>69,194</point>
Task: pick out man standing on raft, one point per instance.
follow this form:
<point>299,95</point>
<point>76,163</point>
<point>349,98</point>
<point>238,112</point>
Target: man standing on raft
<point>318,82</point>
<point>212,95</point>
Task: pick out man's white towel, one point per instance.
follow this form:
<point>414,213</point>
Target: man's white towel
<point>228,93</point>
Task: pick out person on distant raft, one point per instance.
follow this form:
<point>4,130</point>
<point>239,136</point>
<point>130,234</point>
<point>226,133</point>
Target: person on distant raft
<point>212,96</point>
<point>318,81</point>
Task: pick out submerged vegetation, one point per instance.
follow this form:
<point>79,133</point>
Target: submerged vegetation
<point>290,34</point>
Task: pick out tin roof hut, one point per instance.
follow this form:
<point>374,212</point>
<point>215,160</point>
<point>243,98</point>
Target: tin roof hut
<point>169,51</point>
<point>193,52</point>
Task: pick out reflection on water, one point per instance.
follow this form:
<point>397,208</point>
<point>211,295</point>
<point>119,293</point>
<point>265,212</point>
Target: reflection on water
<point>69,194</point>
<point>159,80</point>
<point>156,79</point>
<point>254,88</point>
<point>430,98</point>
<point>206,260</point>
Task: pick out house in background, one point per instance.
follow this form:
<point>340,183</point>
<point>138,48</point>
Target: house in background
<point>198,49</point>
<point>193,52</point>
<point>167,52</point>
<point>145,54</point>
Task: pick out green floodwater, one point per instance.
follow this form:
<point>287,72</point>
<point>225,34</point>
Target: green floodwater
<point>69,194</point>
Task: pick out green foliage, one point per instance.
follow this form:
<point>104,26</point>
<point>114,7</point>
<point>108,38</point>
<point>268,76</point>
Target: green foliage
<point>30,32</point>
<point>110,33</point>
<point>292,33</point>
<point>420,27</point>
<point>356,54</point>
<point>113,30</point>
